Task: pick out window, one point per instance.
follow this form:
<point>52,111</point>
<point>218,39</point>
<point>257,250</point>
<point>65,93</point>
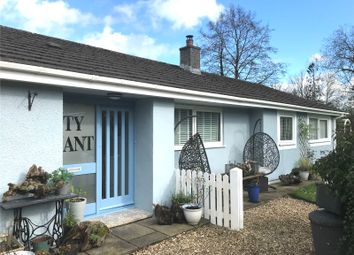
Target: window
<point>286,128</point>
<point>286,131</point>
<point>206,122</point>
<point>184,129</point>
<point>318,129</point>
<point>313,128</point>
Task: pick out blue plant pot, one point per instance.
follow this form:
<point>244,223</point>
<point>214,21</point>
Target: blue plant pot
<point>253,193</point>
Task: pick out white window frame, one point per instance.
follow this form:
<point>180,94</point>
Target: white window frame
<point>196,109</point>
<point>287,144</point>
<point>321,141</point>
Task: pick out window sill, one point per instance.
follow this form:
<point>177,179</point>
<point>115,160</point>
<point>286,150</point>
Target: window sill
<point>314,143</point>
<point>287,146</point>
<point>211,146</point>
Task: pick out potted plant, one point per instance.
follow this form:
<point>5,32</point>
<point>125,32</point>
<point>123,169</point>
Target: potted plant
<point>304,166</point>
<point>193,212</point>
<point>177,201</point>
<point>60,179</point>
<point>77,205</point>
<point>9,244</point>
<point>69,222</point>
<point>337,171</point>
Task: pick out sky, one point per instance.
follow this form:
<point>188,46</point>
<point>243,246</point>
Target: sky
<point>156,29</point>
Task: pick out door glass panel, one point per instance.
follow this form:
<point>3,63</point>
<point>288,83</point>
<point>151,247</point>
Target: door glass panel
<point>103,154</point>
<point>111,153</point>
<point>79,133</point>
<point>126,181</point>
<point>87,183</point>
<point>119,186</point>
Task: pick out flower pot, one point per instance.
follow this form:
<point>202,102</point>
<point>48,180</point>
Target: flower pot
<point>21,253</point>
<point>193,214</point>
<point>304,175</point>
<point>77,208</point>
<point>41,243</point>
<point>15,244</point>
<point>65,189</point>
<point>253,193</point>
<point>327,200</point>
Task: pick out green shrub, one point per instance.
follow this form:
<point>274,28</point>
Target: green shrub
<point>181,198</point>
<point>337,169</point>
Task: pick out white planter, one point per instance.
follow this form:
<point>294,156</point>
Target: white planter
<point>192,216</point>
<point>304,175</point>
<point>21,253</point>
<point>77,209</point>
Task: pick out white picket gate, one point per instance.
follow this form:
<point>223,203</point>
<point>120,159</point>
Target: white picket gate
<point>223,197</point>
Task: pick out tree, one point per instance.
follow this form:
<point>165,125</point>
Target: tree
<point>339,54</point>
<point>307,85</point>
<point>319,85</point>
<point>236,45</point>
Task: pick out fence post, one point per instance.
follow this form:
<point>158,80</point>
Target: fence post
<point>236,198</point>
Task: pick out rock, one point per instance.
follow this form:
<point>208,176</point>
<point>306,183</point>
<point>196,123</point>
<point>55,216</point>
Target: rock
<point>35,183</point>
<point>88,234</point>
<point>163,215</point>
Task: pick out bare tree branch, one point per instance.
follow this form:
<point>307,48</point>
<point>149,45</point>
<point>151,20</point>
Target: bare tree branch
<point>237,45</point>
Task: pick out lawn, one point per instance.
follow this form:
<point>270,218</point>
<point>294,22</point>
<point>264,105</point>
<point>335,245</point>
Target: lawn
<point>306,193</point>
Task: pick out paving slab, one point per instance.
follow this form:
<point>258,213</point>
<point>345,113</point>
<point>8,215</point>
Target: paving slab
<point>131,231</point>
<point>170,230</point>
<point>113,246</point>
<point>148,239</point>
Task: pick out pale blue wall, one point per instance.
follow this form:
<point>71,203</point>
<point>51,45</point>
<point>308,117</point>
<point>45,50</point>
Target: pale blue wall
<point>238,127</point>
<point>143,154</point>
<point>163,151</point>
<point>154,161</point>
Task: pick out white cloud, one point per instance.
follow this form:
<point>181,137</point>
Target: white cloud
<point>135,44</point>
<point>186,13</point>
<point>128,11</point>
<point>50,17</point>
<point>317,57</point>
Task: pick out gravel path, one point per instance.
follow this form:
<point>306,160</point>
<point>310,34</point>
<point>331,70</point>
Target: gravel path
<point>280,226</point>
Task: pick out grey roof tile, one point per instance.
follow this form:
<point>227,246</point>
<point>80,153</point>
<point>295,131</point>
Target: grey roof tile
<point>33,49</point>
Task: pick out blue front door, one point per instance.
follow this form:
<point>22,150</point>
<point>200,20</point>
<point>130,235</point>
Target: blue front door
<point>114,154</point>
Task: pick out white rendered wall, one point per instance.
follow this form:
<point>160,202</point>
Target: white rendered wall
<point>28,137</point>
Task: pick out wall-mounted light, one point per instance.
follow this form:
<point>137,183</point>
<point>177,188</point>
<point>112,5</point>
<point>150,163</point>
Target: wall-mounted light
<point>114,95</point>
<point>31,96</point>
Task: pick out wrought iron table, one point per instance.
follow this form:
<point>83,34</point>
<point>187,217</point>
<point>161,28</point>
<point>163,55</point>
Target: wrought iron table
<point>24,229</point>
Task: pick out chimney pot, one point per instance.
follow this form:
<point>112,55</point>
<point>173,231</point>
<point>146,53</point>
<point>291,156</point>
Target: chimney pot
<point>189,40</point>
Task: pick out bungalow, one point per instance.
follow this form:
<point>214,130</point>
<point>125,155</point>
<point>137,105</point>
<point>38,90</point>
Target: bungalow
<point>109,118</point>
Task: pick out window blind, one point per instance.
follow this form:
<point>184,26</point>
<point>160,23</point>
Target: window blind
<point>184,129</point>
<point>208,126</point>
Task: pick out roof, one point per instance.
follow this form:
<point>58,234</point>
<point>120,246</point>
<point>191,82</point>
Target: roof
<point>23,47</point>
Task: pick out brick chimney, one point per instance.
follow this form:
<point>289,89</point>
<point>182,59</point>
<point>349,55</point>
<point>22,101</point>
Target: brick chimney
<point>190,56</point>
